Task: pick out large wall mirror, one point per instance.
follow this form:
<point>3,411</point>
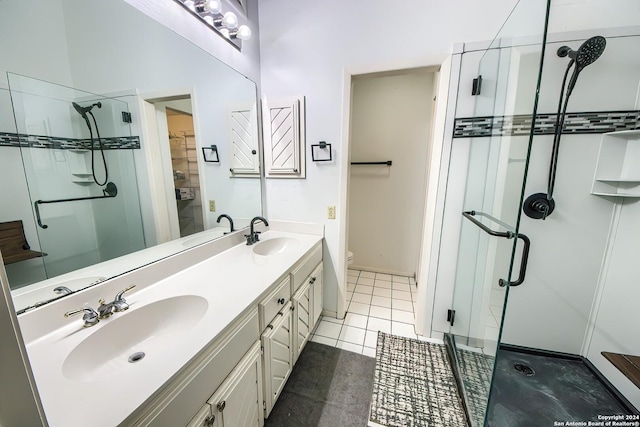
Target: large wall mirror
<point>120,143</point>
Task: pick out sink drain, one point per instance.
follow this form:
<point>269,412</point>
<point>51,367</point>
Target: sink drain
<point>524,369</point>
<point>136,357</point>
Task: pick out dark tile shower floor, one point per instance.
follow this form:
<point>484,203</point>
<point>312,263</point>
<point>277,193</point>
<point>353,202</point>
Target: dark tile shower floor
<point>558,390</point>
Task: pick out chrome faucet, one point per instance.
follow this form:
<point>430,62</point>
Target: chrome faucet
<point>90,317</point>
<point>252,237</point>
<point>230,223</point>
<point>117,305</point>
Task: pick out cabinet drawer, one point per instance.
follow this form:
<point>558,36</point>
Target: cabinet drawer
<point>306,266</point>
<point>274,302</point>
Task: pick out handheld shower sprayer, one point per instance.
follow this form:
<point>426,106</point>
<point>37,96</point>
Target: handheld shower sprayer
<point>540,205</point>
<point>85,112</point>
<point>587,54</point>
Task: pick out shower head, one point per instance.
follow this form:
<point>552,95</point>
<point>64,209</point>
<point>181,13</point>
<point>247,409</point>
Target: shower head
<point>84,110</point>
<point>587,53</point>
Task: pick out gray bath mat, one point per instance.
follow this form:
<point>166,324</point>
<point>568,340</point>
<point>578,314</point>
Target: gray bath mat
<point>413,385</point>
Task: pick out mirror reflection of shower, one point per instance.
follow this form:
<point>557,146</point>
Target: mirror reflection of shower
<point>85,112</point>
<point>541,205</point>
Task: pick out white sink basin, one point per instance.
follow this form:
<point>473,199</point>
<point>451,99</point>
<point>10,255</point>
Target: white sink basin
<point>117,343</point>
<point>274,246</point>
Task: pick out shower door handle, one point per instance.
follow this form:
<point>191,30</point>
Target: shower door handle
<point>38,218</point>
<point>506,234</point>
<point>523,263</point>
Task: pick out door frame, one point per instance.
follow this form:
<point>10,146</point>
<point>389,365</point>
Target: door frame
<point>155,132</point>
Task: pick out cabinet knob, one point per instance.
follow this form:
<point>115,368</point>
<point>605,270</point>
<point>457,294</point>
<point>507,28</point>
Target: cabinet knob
<point>313,280</point>
<point>208,422</point>
<point>281,301</point>
<point>221,405</point>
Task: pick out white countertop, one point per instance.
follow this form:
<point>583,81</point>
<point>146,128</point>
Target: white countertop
<point>230,281</point>
<point>78,279</point>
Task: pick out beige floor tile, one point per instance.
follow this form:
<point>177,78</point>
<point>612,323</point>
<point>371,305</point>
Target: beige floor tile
<point>382,292</point>
<point>356,320</point>
<point>381,301</point>
<point>358,308</point>
<point>375,324</point>
<point>361,298</point>
<point>352,335</point>
<point>399,304</point>
<point>380,312</point>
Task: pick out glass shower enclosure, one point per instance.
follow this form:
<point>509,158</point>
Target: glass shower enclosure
<point>543,324</point>
<point>78,157</point>
<point>492,254</point>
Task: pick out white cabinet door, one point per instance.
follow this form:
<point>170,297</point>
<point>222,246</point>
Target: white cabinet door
<point>284,142</point>
<point>243,137</point>
<point>302,316</point>
<point>316,280</point>
<point>238,401</point>
<point>277,357</point>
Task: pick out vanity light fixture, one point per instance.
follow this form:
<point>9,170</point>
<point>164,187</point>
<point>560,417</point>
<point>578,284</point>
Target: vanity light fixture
<point>226,24</point>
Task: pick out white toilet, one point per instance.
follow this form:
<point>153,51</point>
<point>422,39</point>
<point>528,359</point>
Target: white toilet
<point>349,257</point>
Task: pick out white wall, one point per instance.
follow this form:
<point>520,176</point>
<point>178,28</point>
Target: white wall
<point>312,49</point>
<point>390,120</point>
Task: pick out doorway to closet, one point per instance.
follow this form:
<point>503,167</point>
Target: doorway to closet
<point>390,140</point>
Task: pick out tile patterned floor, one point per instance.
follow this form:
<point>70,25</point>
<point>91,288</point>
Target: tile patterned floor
<point>375,302</point>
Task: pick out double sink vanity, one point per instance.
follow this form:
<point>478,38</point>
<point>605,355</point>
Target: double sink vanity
<point>209,338</point>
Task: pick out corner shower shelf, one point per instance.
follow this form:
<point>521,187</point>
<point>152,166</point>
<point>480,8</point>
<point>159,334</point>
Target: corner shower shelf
<point>617,173</point>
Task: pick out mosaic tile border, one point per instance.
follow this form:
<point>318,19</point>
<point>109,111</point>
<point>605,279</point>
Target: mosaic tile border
<point>38,141</point>
<point>575,123</point>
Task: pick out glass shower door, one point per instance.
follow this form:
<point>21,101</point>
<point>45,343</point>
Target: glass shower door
<point>491,255</point>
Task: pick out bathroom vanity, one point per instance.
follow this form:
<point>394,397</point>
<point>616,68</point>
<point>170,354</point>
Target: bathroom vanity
<point>210,337</point>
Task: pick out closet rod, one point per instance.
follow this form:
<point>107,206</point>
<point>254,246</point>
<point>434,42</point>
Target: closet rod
<point>388,163</point>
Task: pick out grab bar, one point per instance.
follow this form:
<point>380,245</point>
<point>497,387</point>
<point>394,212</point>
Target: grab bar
<point>509,235</point>
<point>109,192</point>
<point>387,162</point>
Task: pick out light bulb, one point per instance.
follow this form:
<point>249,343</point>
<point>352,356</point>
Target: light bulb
<point>209,20</point>
<point>230,20</point>
<point>225,32</point>
<point>190,4</point>
<point>244,32</point>
<point>214,6</point>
